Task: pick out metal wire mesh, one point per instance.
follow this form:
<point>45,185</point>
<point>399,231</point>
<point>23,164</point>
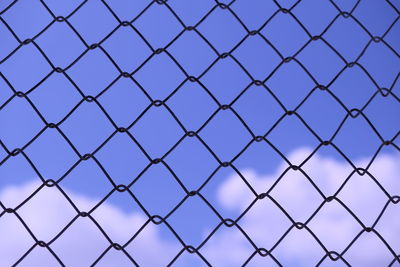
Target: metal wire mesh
<point>196,133</point>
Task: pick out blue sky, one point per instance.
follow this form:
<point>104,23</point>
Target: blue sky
<point>194,101</point>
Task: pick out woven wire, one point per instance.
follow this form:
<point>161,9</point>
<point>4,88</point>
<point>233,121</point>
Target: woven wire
<point>195,133</point>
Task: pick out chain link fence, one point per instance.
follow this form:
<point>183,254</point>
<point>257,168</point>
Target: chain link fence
<point>220,51</point>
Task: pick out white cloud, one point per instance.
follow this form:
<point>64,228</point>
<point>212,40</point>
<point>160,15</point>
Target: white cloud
<point>265,223</point>
<point>48,212</point>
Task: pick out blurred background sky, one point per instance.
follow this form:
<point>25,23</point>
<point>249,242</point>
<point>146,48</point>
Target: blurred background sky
<point>157,130</point>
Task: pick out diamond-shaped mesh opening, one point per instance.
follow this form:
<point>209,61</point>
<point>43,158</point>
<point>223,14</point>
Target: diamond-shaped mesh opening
<point>379,56</point>
<point>94,72</point>
<point>85,252</point>
<point>359,248</point>
<point>343,31</point>
<point>20,123</point>
<point>189,48</point>
<point>263,103</point>
<point>158,132</point>
<point>199,133</point>
<point>192,104</point>
<point>158,34</point>
<point>365,194</point>
<point>384,124</point>
<point>225,144</point>
<point>288,195</point>
<point>98,27</point>
<point>324,64</point>
<point>158,201</point>
<point>122,159</point>
<point>284,89</point>
<point>80,127</point>
<point>329,117</point>
<point>153,238</point>
<point>223,243</point>
<point>198,217</point>
<point>302,246</point>
<point>277,32</point>
<point>265,232</point>
<point>27,18</point>
<point>327,180</point>
<point>127,48</point>
<point>374,26</point>
<point>51,42</point>
<point>290,132</point>
<point>113,222</point>
<point>87,179</point>
<point>50,201</point>
<point>357,132</point>
<point>353,88</point>
<point>192,173</point>
<point>169,76</point>
<point>53,164</point>
<point>222,30</point>
<point>55,97</point>
<point>229,193</point>
<point>36,68</point>
<point>315,17</point>
<point>118,99</point>
<point>343,227</point>
<point>226,80</point>
<point>259,65</point>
